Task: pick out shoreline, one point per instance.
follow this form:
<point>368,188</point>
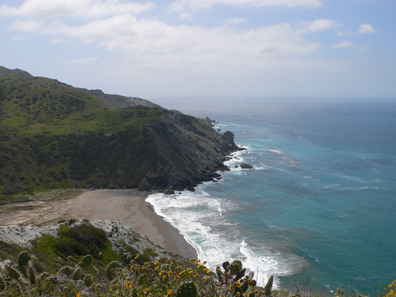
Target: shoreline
<point>127,206</point>
<point>172,235</point>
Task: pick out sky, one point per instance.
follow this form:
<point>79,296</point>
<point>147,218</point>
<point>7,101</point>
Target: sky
<point>200,48</point>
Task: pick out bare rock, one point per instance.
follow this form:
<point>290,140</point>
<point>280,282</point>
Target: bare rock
<point>246,166</point>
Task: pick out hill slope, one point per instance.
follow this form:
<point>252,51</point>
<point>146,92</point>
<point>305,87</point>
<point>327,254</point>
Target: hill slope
<point>56,136</point>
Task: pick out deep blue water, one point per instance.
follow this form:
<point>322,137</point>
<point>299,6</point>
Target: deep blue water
<point>321,202</point>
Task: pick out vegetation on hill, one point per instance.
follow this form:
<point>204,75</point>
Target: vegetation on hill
<point>56,136</point>
<point>81,262</point>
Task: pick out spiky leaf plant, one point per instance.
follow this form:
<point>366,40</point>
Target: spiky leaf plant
<point>86,261</point>
<point>112,269</point>
<point>268,286</point>
<point>23,258</point>
<point>67,270</point>
<point>187,290</point>
<point>2,284</point>
<point>31,275</point>
<point>77,274</point>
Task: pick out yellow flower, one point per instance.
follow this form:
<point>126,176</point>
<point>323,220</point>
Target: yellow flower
<point>161,272</point>
<point>238,284</point>
<point>182,272</point>
<point>137,256</point>
<point>169,291</point>
<point>78,294</point>
<point>164,276</point>
<point>230,287</point>
<point>197,261</point>
<point>192,259</point>
<point>190,272</point>
<point>131,267</point>
<point>208,271</point>
<point>196,275</point>
<point>205,269</point>
<point>170,272</point>
<point>208,277</point>
<point>156,262</point>
<point>128,284</point>
<point>200,265</point>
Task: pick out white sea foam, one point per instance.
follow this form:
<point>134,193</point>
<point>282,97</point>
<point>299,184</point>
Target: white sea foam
<point>202,220</point>
<point>274,150</point>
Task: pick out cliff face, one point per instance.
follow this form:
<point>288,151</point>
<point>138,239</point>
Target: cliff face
<point>56,136</point>
<point>188,151</point>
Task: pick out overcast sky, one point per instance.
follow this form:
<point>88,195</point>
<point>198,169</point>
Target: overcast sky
<point>186,48</point>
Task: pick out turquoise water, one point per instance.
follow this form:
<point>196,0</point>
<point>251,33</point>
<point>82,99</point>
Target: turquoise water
<point>320,204</point>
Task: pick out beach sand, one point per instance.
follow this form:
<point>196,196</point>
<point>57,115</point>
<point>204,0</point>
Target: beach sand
<point>127,206</point>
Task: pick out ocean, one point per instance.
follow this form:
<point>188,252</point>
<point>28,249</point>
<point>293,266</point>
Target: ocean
<point>320,203</point>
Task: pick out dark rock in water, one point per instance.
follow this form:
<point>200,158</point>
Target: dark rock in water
<point>229,136</point>
<point>236,166</point>
<point>190,188</point>
<point>169,191</point>
<point>246,166</point>
<point>210,122</point>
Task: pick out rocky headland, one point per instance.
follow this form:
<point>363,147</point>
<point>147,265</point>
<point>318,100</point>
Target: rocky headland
<point>56,136</point>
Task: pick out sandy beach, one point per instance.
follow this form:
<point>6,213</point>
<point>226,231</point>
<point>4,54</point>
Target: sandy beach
<point>125,206</point>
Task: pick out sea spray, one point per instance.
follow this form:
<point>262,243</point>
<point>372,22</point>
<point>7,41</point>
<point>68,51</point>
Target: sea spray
<point>203,221</point>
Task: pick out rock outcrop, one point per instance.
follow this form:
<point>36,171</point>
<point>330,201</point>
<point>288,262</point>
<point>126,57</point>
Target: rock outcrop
<point>246,166</point>
<point>189,151</point>
<point>75,138</point>
<point>118,234</point>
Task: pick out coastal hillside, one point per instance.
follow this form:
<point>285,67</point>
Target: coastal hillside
<point>56,136</point>
<point>106,259</point>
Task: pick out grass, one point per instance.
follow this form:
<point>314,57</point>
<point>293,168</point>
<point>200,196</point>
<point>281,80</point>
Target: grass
<point>41,123</point>
<point>40,105</point>
<point>40,194</point>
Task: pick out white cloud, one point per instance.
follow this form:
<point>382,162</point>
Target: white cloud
<point>152,43</point>
<point>235,21</point>
<point>204,4</point>
<point>17,38</point>
<point>74,8</point>
<point>318,25</point>
<point>184,15</point>
<point>365,28</point>
<point>30,25</point>
<point>346,33</point>
<point>82,61</point>
<point>57,41</point>
<point>343,44</point>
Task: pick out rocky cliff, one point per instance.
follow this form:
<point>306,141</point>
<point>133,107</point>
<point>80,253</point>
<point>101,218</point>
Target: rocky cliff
<point>187,152</point>
<point>56,136</point>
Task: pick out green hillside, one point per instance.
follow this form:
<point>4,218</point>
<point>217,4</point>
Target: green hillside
<point>56,136</point>
<point>42,105</point>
